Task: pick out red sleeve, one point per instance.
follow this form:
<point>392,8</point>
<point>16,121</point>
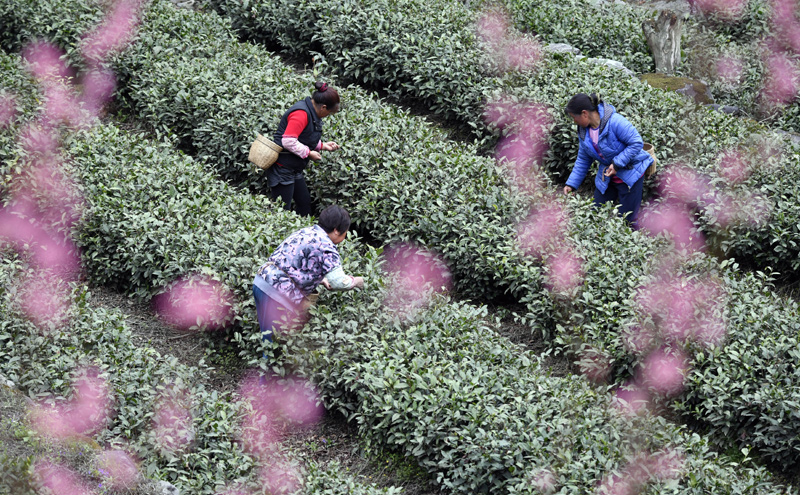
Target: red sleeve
<point>297,122</point>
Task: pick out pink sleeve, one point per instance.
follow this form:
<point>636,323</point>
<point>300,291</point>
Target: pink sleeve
<point>292,145</point>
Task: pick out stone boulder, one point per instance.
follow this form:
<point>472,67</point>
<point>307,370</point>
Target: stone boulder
<point>690,88</point>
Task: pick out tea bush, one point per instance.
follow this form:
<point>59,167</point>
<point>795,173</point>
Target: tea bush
<point>663,118</point>
<point>169,88</point>
<point>483,253</point>
<point>42,362</point>
<point>614,273</point>
<point>599,29</point>
<point>481,414</point>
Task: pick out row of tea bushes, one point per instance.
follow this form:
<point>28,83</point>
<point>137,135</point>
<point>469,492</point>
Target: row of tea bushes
<point>610,30</point>
<point>442,388</point>
<point>475,229</point>
<point>42,359</point>
<point>135,188</point>
<point>168,70</point>
<point>616,266</point>
<point>394,57</point>
<point>43,362</point>
<point>485,416</point>
<point>727,389</point>
<point>426,51</point>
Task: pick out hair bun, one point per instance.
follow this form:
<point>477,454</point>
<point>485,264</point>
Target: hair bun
<point>321,87</point>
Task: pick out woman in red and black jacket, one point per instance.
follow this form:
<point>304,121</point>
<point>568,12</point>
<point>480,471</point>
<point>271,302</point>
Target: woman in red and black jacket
<point>299,133</point>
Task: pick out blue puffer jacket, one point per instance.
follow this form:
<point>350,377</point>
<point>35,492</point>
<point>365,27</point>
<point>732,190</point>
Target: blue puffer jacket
<point>619,142</point>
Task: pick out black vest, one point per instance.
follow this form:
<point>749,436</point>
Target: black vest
<point>309,137</point>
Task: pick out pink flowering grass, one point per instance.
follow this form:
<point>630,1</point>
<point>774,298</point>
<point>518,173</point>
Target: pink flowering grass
<point>509,50</point>
<point>98,87</point>
<point>415,274</point>
<point>783,80</point>
<point>492,25</point>
<point>173,421</point>
<point>631,399</point>
<point>684,309</point>
<point>683,185</point>
<point>564,271</point>
<point>119,469</point>
<point>544,480</point>
<point>59,480</point>
<point>46,61</point>
<point>8,109</point>
<point>730,70</point>
<point>674,219</point>
<point>274,405</point>
<point>195,303</point>
<point>785,23</point>
<point>113,33</point>
<point>733,167</point>
<point>542,232</point>
<point>280,477</point>
<point>663,371</point>
<point>727,10</point>
<point>740,209</point>
<point>44,301</point>
<point>84,415</point>
<point>644,468</point>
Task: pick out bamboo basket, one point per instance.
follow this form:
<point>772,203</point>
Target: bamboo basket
<point>652,168</point>
<point>264,152</point>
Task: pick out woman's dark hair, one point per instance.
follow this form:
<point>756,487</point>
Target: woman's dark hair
<point>325,95</point>
<point>581,102</point>
<point>334,218</point>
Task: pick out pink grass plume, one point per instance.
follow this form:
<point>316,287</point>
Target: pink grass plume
<point>114,33</point>
<point>280,477</point>
<point>542,232</point>
<point>8,109</point>
<point>173,421</point>
<point>730,70</point>
<point>672,218</point>
<point>663,371</point>
<point>84,415</point>
<point>564,270</point>
<point>416,274</point>
<point>195,303</point>
<point>59,480</point>
<point>119,469</point>
<point>46,61</point>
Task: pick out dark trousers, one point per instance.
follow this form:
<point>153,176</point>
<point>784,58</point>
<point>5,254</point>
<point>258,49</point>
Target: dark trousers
<point>630,199</point>
<point>297,191</point>
<point>269,313</point>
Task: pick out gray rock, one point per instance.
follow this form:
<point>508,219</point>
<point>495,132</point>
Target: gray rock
<point>184,4</point>
<point>166,488</point>
<point>690,91</point>
<point>729,109</point>
<point>793,136</point>
<point>613,64</point>
<point>561,48</point>
<point>8,383</point>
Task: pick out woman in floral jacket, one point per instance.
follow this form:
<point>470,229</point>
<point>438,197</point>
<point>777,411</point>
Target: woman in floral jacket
<point>301,262</point>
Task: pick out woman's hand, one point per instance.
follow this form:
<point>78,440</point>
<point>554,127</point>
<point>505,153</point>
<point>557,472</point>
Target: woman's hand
<point>610,170</point>
<point>568,189</point>
<point>330,146</point>
<point>358,283</point>
<point>315,155</point>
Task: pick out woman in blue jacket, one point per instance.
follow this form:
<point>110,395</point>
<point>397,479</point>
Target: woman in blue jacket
<point>608,138</point>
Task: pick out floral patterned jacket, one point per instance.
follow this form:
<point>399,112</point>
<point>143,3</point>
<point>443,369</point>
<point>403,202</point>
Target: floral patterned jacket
<point>300,263</point>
